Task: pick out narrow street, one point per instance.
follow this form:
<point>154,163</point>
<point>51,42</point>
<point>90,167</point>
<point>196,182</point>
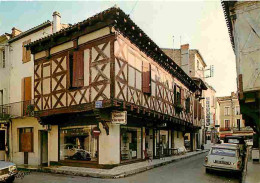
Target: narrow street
<point>190,170</point>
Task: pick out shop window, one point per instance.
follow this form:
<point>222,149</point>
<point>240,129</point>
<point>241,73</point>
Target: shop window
<point>76,68</point>
<point>131,139</point>
<point>78,143</point>
<point>26,53</point>
<point>25,139</point>
<point>2,140</point>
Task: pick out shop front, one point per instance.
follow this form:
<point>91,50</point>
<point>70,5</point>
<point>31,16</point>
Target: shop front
<point>131,143</point>
<point>78,144</point>
<point>162,143</point>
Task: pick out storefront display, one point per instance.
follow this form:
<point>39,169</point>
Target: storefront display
<point>131,138</point>
<point>161,143</point>
<point>78,143</point>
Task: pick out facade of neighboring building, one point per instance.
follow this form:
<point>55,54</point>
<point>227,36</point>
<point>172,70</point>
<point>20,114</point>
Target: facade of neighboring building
<point>103,87</point>
<point>242,18</point>
<point>18,113</point>
<point>192,62</point>
<point>230,118</point>
<point>4,94</point>
<point>209,105</point>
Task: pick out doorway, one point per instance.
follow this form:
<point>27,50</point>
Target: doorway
<point>2,145</point>
<point>44,147</point>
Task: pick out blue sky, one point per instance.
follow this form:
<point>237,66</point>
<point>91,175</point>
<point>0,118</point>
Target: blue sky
<point>199,23</point>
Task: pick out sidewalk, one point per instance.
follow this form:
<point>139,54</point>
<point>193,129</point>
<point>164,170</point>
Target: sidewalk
<point>253,172</point>
<point>119,171</point>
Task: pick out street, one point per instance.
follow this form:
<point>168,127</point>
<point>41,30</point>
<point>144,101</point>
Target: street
<point>189,170</point>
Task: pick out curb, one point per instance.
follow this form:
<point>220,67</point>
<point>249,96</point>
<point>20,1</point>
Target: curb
<point>111,175</point>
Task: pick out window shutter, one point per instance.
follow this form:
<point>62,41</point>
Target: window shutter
<point>182,98</point>
<point>146,80</point>
<point>195,109</point>
<point>28,52</point>
<point>78,69</point>
<point>24,52</point>
<point>199,111</point>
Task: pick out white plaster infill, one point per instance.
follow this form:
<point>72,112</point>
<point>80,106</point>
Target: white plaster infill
<point>119,171</point>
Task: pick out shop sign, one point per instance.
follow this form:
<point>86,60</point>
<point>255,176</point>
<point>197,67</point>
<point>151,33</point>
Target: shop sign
<point>207,111</point>
<point>96,131</point>
<point>119,117</point>
<point>98,104</point>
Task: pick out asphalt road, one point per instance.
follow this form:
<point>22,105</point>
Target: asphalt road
<point>190,170</point>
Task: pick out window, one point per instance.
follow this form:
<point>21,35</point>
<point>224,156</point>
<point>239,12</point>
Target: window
<point>226,111</point>
<point>78,143</point>
<point>1,98</point>
<point>146,78</point>
<point>223,152</point>
<point>2,59</point>
<point>198,65</point>
<point>25,139</point>
<point>177,95</point>
<point>187,105</point>
<point>227,123</point>
<point>237,110</point>
<point>76,67</point>
<point>2,140</point>
<point>26,53</point>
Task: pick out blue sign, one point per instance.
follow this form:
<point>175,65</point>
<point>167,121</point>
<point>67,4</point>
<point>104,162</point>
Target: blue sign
<point>98,104</point>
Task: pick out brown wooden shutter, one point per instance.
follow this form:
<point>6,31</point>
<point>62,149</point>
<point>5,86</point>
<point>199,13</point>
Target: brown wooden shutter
<point>146,80</point>
<point>27,88</point>
<point>78,69</point>
<point>182,97</point>
<point>28,52</point>
<point>26,142</point>
<point>24,52</point>
<point>26,93</point>
<point>199,111</point>
<point>195,109</point>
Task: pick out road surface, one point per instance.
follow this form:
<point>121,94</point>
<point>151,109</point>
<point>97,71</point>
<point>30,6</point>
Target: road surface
<point>189,170</point>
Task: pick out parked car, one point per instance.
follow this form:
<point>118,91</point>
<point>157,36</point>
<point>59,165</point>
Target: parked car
<point>8,171</point>
<point>224,157</point>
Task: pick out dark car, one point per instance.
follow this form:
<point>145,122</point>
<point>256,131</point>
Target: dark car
<point>8,171</point>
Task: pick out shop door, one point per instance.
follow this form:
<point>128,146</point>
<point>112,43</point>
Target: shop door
<point>2,145</point>
<point>44,147</point>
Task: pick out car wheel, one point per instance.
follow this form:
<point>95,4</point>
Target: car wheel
<point>207,170</point>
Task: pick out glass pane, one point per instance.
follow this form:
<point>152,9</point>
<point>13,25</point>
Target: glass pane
<point>223,152</point>
<point>77,143</point>
<point>131,143</point>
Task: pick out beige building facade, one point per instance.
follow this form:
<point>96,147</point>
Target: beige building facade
<point>230,119</point>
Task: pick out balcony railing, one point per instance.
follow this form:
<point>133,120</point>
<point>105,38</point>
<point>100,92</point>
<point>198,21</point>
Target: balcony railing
<point>225,129</point>
<point>247,128</point>
<point>17,109</point>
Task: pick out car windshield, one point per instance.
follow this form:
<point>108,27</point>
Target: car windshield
<point>223,152</point>
<point>233,141</point>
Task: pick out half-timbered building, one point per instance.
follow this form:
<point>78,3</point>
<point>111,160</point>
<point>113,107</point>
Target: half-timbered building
<point>110,93</point>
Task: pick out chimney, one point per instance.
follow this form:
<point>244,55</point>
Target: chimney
<point>56,25</point>
<point>185,58</point>
<point>15,32</point>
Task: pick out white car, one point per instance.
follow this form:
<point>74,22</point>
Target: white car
<point>7,171</point>
<point>224,157</point>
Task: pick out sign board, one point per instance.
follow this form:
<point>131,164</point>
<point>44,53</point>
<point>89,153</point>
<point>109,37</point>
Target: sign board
<point>98,104</point>
<point>96,131</point>
<point>119,117</point>
<point>207,111</point>
<point>217,126</point>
